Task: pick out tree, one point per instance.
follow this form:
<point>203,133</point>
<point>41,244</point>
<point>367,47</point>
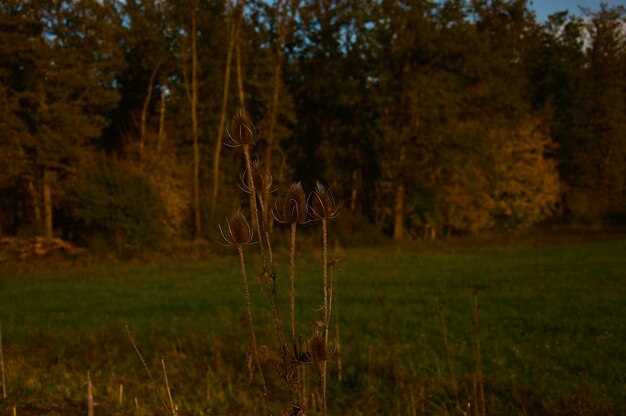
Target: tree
<point>60,82</point>
<point>235,15</point>
<point>597,142</point>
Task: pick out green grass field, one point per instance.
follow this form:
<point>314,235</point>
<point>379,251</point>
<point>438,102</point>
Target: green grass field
<point>552,332</point>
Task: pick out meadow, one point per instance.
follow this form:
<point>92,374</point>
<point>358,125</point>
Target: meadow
<point>549,318</point>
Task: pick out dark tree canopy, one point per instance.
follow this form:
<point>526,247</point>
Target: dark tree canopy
<point>423,117</point>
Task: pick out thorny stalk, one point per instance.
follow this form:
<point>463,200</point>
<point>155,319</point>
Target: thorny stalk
<point>255,212</point>
<point>292,280</point>
<point>267,276</point>
<point>326,310</point>
<point>333,299</point>
<point>252,333</point>
<point>4,380</point>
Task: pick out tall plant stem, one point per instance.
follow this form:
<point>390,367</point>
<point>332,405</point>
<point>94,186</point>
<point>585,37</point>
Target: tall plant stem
<point>334,301</point>
<point>323,366</point>
<point>292,280</point>
<point>253,207</point>
<point>284,350</point>
<point>252,333</point>
<point>272,296</point>
<point>4,380</point>
<point>326,311</point>
<point>325,276</point>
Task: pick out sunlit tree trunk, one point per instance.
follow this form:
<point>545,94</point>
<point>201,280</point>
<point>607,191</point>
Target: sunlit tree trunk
<point>233,33</point>
<point>194,121</point>
<point>240,90</point>
<point>398,209</point>
<point>161,136</point>
<point>47,203</point>
<point>356,176</point>
<point>144,110</point>
<point>36,200</point>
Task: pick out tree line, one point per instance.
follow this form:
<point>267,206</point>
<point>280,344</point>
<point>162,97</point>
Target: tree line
<point>423,117</point>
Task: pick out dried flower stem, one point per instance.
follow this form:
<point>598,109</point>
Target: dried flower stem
<point>284,350</point>
<point>333,299</point>
<point>4,380</point>
<point>252,333</point>
<point>257,225</point>
<point>292,280</point>
<point>253,208</point>
<point>326,310</point>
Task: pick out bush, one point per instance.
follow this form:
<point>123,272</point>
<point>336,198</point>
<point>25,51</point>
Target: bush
<point>112,207</point>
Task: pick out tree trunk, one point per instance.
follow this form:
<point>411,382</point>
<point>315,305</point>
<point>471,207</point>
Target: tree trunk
<point>47,204</point>
<point>161,137</point>
<point>233,31</point>
<point>144,110</point>
<point>37,201</point>
<point>194,121</point>
<point>356,175</point>
<point>242,96</point>
<point>398,208</point>
<point>398,211</point>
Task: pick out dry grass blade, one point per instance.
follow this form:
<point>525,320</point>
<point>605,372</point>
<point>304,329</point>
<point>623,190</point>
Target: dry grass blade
<point>167,388</point>
<point>251,327</point>
<point>89,395</point>
<point>149,374</point>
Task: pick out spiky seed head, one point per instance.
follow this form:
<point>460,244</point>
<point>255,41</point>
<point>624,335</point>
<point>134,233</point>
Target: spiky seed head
<point>322,204</point>
<point>261,178</point>
<point>241,132</point>
<point>317,345</point>
<point>237,230</point>
<point>294,207</point>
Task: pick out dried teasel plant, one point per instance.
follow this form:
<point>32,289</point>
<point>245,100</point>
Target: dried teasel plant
<point>294,208</point>
<point>322,204</point>
<point>322,208</point>
<point>293,211</point>
<point>238,233</point>
<point>241,132</point>
<point>257,182</point>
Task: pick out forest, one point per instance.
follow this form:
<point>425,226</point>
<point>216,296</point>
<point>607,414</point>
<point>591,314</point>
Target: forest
<point>424,118</point>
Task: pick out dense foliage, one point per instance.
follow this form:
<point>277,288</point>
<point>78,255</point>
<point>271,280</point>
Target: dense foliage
<point>423,117</point>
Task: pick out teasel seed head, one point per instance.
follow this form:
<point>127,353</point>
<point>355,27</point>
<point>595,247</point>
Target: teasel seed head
<point>237,231</point>
<point>319,353</point>
<point>261,178</point>
<point>322,204</point>
<point>241,132</point>
<point>293,208</point>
